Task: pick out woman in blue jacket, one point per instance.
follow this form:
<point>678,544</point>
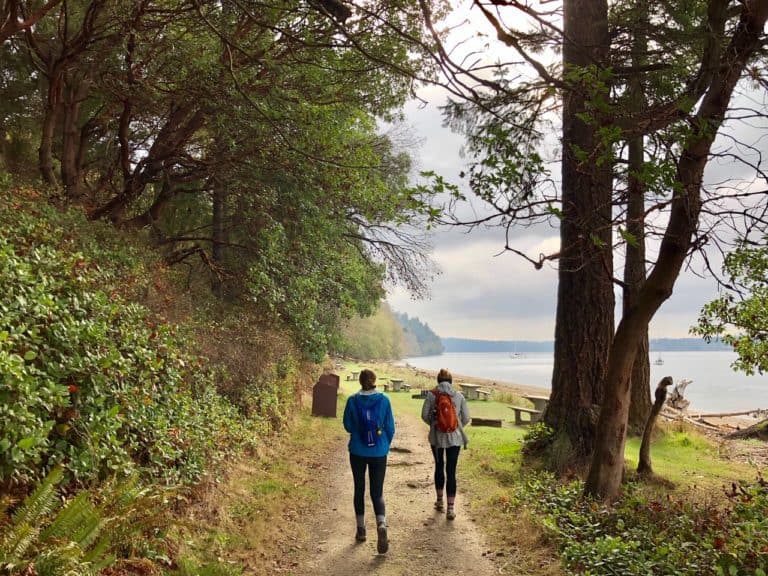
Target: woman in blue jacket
<point>371,426</point>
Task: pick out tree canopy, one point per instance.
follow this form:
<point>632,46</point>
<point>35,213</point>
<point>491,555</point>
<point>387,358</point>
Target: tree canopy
<point>243,135</point>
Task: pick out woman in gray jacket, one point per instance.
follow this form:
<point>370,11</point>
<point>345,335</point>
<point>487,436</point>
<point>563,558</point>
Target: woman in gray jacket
<point>446,444</point>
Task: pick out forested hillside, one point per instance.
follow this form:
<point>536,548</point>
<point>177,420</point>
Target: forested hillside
<point>194,199</point>
<point>376,337</point>
<point>420,340</point>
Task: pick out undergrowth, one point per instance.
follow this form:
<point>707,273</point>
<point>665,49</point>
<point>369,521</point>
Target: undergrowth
<point>99,383</point>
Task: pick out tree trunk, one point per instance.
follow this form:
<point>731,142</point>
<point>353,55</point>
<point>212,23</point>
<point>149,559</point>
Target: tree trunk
<point>585,300</point>
<point>12,20</point>
<point>644,460</point>
<point>155,212</point>
<point>71,173</point>
<point>45,151</point>
<point>634,267</point>
<point>606,470</point>
<point>183,122</point>
<point>219,232</point>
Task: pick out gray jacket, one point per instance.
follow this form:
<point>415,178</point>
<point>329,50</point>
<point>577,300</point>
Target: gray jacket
<point>446,439</point>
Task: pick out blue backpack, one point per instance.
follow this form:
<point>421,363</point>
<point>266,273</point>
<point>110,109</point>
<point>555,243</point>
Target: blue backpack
<point>368,425</point>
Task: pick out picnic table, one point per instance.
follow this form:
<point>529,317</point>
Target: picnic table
<point>534,414</point>
<point>353,376</point>
<point>539,402</point>
<point>398,385</point>
<point>470,390</point>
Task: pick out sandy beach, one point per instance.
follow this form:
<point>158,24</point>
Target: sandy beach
<point>499,385</point>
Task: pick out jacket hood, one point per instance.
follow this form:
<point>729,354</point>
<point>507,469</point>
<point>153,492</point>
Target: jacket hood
<point>369,398</point>
<point>445,386</point>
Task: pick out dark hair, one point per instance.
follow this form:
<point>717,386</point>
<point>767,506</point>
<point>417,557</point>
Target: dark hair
<point>444,376</point>
<point>368,379</point>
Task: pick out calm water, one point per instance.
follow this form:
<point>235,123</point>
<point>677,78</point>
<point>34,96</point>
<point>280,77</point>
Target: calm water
<point>715,387</point>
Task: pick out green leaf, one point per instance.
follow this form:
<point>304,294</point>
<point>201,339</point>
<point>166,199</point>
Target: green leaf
<point>30,355</point>
<point>26,443</point>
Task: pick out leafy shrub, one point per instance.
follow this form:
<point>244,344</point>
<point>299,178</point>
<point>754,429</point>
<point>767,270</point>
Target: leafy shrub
<point>638,536</point>
<point>89,380</point>
<point>537,436</point>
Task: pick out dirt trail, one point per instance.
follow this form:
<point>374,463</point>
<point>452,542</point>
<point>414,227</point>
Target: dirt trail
<point>422,541</point>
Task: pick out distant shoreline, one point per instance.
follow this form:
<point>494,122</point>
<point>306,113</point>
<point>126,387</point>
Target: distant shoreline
<point>452,345</point>
<point>502,385</point>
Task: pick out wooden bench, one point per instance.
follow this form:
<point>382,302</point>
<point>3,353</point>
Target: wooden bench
<point>483,394</point>
<point>492,422</point>
<point>534,415</point>
<point>420,395</point>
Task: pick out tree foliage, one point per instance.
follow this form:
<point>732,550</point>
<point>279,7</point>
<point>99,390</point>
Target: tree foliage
<point>740,316</point>
<point>243,134</point>
<point>376,337</point>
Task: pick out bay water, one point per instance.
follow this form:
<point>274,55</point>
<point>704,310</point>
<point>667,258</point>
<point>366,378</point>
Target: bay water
<point>715,386</point>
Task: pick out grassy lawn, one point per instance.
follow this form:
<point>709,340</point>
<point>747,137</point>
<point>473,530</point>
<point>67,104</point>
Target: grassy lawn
<point>682,456</point>
<point>226,531</point>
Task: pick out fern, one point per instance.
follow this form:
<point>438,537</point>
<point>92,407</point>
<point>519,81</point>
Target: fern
<point>26,521</point>
<point>73,541</point>
<point>78,521</point>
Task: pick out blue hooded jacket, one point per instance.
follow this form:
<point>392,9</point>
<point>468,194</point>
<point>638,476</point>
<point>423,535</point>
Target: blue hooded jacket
<point>384,418</point>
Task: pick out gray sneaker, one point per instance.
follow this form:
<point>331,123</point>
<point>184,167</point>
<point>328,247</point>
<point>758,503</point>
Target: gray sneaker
<point>360,535</point>
<point>382,545</point>
<point>451,514</point>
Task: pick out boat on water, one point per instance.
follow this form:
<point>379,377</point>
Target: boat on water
<point>515,355</point>
<point>659,361</point>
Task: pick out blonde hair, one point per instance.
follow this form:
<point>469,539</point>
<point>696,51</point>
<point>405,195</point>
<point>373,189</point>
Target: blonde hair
<point>444,376</point>
<point>367,379</point>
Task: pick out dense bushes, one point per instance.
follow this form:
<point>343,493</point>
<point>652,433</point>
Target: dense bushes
<point>89,380</point>
<point>642,535</point>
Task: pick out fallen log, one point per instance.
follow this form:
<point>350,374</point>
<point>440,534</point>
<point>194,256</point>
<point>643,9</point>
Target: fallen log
<point>727,414</point>
<point>676,415</point>
<point>759,431</point>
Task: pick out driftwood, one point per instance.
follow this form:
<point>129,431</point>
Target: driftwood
<point>759,431</point>
<point>727,414</point>
<point>676,397</point>
<point>677,415</point>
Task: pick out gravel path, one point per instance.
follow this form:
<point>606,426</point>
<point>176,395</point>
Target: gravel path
<point>422,541</point>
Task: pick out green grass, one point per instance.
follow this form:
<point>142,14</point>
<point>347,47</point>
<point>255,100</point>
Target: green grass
<point>234,520</point>
<point>687,458</point>
<point>684,457</point>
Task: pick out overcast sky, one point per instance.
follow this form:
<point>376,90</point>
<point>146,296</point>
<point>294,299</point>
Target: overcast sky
<point>484,293</point>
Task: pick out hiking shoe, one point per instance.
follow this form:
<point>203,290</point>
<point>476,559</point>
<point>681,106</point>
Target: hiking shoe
<point>382,545</point>
<point>451,514</point>
<point>439,505</point>
<point>360,535</point>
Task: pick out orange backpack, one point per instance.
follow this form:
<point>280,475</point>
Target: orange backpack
<point>445,412</point>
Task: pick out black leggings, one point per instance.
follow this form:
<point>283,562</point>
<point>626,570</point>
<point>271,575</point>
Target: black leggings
<point>377,468</point>
<point>446,460</point>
